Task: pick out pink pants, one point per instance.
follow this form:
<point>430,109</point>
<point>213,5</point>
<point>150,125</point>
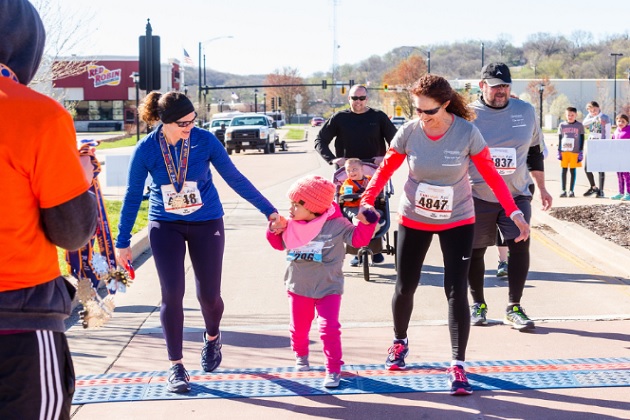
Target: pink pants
<point>302,313</point>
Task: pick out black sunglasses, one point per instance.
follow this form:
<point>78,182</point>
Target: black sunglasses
<point>428,111</point>
<point>358,98</point>
<point>184,124</point>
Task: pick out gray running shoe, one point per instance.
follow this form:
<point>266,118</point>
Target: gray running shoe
<point>516,317</point>
<point>178,379</point>
<point>301,364</point>
<point>502,269</point>
<point>478,314</point>
<point>331,380</point>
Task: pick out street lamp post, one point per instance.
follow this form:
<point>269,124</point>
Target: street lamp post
<point>482,54</point>
<point>135,76</point>
<point>201,44</point>
<point>265,103</point>
<point>255,100</point>
<point>428,61</point>
<point>615,82</point>
<point>541,90</point>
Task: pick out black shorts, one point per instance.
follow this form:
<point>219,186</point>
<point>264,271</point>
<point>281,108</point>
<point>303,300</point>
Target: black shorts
<point>490,216</point>
<point>37,376</point>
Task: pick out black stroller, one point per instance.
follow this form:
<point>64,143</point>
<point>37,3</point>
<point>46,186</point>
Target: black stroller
<point>382,204</point>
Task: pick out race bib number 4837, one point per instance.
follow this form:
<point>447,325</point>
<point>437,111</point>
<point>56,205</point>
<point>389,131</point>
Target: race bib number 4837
<point>504,159</point>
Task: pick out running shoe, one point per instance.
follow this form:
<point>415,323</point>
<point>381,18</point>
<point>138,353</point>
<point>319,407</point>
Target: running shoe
<point>591,191</point>
<point>571,194</point>
<point>564,194</point>
<point>211,353</point>
<point>355,261</point>
<point>600,194</point>
<point>626,197</point>
<point>178,379</point>
<point>396,355</point>
<point>331,380</point>
<point>478,314</point>
<point>301,364</point>
<point>378,258</point>
<point>458,381</point>
<point>617,197</point>
<point>516,317</point>
<point>502,269</point>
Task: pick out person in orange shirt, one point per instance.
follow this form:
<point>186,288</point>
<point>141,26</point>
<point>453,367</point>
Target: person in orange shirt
<point>46,203</point>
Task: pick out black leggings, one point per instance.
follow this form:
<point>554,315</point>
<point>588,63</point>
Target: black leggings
<point>206,242</point>
<point>412,248</point>
<point>518,263</point>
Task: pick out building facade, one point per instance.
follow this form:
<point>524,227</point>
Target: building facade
<point>102,95</point>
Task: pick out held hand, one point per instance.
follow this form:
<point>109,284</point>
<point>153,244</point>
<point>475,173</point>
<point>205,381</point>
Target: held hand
<point>123,256</point>
<point>580,156</point>
<point>277,223</point>
<point>378,160</point>
<point>339,161</point>
<point>523,227</point>
<point>559,155</point>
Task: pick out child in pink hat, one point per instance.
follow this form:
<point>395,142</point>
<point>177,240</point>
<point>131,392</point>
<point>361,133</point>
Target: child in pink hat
<point>315,236</point>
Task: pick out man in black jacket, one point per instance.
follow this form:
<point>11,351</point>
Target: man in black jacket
<point>359,132</point>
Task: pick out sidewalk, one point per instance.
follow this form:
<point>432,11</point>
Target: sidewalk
<point>580,303</point>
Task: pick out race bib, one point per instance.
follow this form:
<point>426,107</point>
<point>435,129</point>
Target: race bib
<point>504,159</point>
<point>312,251</point>
<point>434,202</point>
<point>187,201</point>
<point>567,144</point>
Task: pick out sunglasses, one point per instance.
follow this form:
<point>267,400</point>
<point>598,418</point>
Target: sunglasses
<point>184,124</point>
<point>502,86</point>
<point>358,98</point>
<point>428,111</point>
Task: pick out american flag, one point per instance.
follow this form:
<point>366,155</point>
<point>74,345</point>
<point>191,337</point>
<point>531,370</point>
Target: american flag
<point>187,59</point>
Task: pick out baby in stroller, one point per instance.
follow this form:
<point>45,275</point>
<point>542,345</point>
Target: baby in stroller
<point>352,180</point>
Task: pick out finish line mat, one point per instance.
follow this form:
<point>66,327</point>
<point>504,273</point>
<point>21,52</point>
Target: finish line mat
<point>356,379</point>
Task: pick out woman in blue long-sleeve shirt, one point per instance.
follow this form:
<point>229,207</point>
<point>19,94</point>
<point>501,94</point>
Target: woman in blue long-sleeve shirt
<point>184,208</point>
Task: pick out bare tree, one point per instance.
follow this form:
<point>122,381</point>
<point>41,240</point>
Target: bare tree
<point>65,30</point>
<point>288,76</point>
<point>404,75</point>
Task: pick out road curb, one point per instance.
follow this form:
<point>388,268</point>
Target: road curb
<point>585,242</point>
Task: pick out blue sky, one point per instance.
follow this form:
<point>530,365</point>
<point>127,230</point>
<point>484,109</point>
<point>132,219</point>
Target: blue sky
<point>272,34</point>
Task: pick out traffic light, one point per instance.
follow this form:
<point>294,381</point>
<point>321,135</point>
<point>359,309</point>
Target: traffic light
<point>324,84</point>
<point>279,102</point>
<point>343,90</point>
<point>386,87</point>
<point>351,82</point>
<point>149,62</point>
<point>273,104</point>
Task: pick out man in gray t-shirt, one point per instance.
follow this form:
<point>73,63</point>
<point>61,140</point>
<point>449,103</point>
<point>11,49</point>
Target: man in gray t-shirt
<point>516,144</point>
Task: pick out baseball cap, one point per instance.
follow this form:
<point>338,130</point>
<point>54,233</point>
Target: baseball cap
<point>496,74</point>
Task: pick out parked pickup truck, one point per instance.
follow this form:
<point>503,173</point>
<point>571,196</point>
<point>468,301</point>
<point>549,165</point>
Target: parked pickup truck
<point>251,131</point>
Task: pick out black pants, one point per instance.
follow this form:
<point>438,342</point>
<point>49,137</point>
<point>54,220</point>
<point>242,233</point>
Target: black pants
<point>412,247</point>
<point>37,376</point>
<point>206,242</point>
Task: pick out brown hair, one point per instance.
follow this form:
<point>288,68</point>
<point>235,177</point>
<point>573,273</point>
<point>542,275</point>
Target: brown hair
<point>624,117</point>
<point>438,89</point>
<point>351,161</point>
<point>572,109</point>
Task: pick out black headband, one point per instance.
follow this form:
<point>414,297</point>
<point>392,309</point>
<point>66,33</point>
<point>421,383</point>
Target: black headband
<point>176,109</point>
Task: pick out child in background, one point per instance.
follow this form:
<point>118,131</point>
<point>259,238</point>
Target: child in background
<point>598,125</point>
<point>354,184</point>
<point>570,149</point>
<point>622,132</point>
<point>314,236</point>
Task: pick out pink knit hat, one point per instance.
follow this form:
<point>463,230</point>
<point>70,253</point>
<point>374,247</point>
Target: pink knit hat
<point>313,192</point>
